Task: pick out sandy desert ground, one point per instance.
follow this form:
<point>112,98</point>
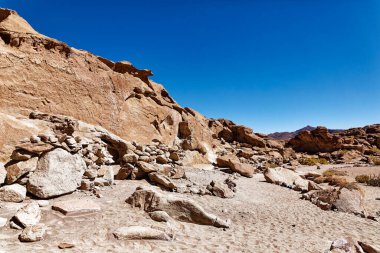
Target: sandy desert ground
<point>265,218</point>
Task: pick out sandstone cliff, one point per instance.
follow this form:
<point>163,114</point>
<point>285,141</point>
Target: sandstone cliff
<point>43,74</point>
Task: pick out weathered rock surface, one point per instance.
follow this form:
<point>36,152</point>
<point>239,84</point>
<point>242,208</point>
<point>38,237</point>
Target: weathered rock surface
<point>28,215</point>
<point>58,172</point>
<point>66,81</point>
<point>13,193</point>
<point>141,233</point>
<point>318,140</point>
<point>75,207</point>
<point>33,233</point>
<point>221,190</point>
<point>235,165</point>
<point>162,180</point>
<point>17,170</point>
<point>287,178</point>
<point>181,209</point>
<point>349,199</point>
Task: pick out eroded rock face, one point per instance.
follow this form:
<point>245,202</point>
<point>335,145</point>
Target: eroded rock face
<point>58,172</point>
<point>181,209</point>
<point>66,81</point>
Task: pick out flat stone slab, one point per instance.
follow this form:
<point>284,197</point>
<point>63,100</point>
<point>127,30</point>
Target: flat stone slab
<point>74,207</point>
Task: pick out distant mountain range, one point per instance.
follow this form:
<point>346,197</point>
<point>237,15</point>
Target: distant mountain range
<point>289,135</point>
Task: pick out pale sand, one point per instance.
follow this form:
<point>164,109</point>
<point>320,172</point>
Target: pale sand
<point>265,218</point>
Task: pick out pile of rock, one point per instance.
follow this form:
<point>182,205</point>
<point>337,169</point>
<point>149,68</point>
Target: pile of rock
<point>27,219</point>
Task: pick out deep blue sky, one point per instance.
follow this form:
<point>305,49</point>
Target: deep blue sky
<point>273,65</point>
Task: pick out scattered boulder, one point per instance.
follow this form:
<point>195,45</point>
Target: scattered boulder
<point>21,155</point>
<point>181,209</point>
<point>130,158</point>
<point>17,170</point>
<point>58,172</point>
<point>146,167</point>
<point>351,199</point>
<point>141,233</point>
<point>75,207</point>
<point>13,193</point>
<point>287,178</point>
<point>28,215</point>
<point>33,233</point>
<point>123,173</point>
<point>348,199</point>
<point>221,190</point>
<point>161,159</point>
<point>235,165</point>
<point>162,180</point>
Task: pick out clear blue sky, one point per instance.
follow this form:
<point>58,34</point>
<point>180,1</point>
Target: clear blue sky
<point>273,65</point>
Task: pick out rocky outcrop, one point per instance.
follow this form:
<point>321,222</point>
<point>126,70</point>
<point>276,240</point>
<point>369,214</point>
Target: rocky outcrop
<point>58,172</point>
<point>315,141</point>
<point>40,73</point>
<point>229,131</point>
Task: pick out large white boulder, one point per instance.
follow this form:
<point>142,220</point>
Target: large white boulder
<point>28,215</point>
<point>58,172</point>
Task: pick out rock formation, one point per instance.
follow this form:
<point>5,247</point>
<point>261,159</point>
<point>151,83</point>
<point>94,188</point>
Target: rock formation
<point>40,73</point>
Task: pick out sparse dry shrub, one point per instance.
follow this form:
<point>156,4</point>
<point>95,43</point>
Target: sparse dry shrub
<point>375,159</point>
<point>332,180</point>
<point>371,180</point>
<point>362,178</point>
<point>334,172</point>
<point>311,161</point>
